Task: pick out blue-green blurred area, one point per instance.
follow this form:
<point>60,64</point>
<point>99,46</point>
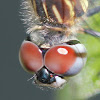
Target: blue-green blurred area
<point>86,85</point>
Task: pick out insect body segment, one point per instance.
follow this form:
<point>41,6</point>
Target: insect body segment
<point>59,11</point>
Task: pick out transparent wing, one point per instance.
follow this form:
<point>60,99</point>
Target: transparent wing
<point>92,23</point>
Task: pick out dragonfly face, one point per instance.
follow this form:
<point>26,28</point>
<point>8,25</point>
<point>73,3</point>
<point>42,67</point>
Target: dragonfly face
<point>51,50</point>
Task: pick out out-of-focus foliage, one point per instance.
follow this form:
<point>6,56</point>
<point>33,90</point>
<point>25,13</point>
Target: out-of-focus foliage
<point>95,22</point>
<point>87,82</point>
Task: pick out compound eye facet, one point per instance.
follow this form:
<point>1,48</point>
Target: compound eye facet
<point>59,59</point>
<point>30,56</point>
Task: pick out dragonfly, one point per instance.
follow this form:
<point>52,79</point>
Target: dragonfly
<point>51,50</point>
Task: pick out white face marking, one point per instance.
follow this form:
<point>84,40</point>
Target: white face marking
<point>62,51</point>
<point>59,82</point>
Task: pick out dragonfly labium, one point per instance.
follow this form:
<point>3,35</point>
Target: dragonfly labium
<point>51,51</point>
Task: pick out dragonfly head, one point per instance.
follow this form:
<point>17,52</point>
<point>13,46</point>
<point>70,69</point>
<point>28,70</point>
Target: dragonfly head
<point>52,65</point>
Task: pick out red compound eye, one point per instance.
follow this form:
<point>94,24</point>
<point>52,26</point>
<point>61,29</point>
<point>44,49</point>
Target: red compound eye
<point>30,56</point>
<point>59,59</point>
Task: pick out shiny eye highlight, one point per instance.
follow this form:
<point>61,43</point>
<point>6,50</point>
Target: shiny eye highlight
<point>59,59</point>
<point>30,56</point>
